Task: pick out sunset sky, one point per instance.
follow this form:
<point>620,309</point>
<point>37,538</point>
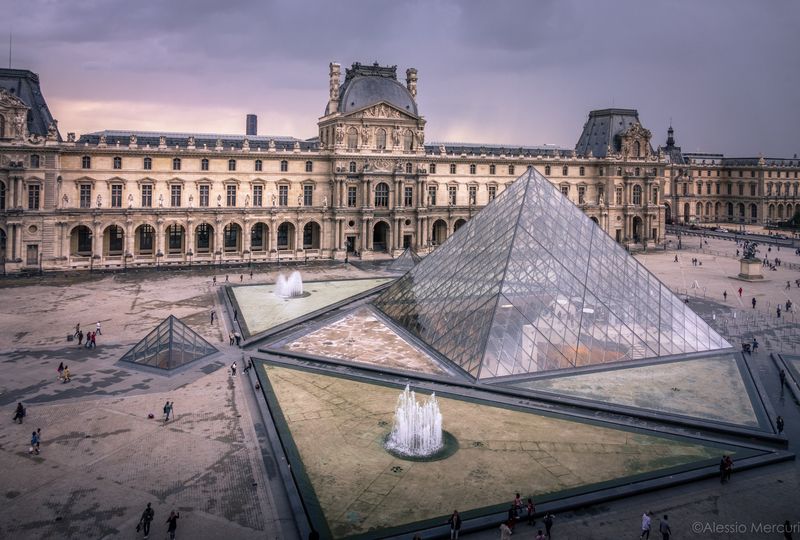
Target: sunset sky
<point>726,72</point>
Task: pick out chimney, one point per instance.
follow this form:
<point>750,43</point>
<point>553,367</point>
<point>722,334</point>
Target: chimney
<point>333,78</point>
<point>252,125</point>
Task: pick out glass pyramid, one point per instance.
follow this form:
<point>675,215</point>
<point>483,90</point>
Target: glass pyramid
<point>169,345</point>
<point>532,284</point>
<point>405,262</point>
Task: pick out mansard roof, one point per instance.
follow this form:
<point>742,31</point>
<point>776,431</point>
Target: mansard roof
<point>458,148</point>
<point>603,130</point>
<point>181,140</point>
<point>366,85</point>
<point>24,84</point>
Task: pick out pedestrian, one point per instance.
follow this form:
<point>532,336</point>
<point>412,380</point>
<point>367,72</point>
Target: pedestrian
<point>168,411</point>
<point>676,258</point>
<point>788,285</point>
<point>251,274</point>
<point>66,375</point>
<point>725,295</point>
<point>19,413</point>
<point>646,522</point>
<point>94,338</point>
<point>512,516</point>
<point>38,439</point>
<point>455,525</point>
<point>664,528</point>
<point>238,337</point>
<point>531,509</point>
<point>34,449</point>
<point>226,278</point>
<point>505,531</point>
<point>540,535</point>
<point>728,468</point>
<point>77,329</point>
<point>97,326</point>
<point>172,521</point>
<point>230,338</point>
<point>233,369</point>
<point>740,292</point>
<point>212,316</point>
<point>782,376</point>
<point>778,311</point>
<point>241,278</point>
<point>755,345</point>
<point>753,302</point>
<point>548,523</point>
<point>247,366</point>
<point>235,315</point>
<point>779,424</point>
<point>80,336</point>
<point>214,280</point>
<point>144,521</point>
<point>88,344</point>
<point>60,370</point>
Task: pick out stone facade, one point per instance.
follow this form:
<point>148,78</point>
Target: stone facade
<point>367,185</point>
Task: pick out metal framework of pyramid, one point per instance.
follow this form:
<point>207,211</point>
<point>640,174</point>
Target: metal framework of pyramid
<point>169,345</point>
<point>405,262</point>
<point>532,284</point>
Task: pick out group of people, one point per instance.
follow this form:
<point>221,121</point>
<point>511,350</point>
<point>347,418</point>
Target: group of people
<point>647,525</point>
<point>516,511</point>
<point>36,436</point>
<point>63,373</point>
<point>91,337</point>
<point>147,517</point>
<point>725,468</point>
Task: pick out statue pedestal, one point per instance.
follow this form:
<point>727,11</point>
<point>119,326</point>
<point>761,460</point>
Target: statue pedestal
<point>750,270</point>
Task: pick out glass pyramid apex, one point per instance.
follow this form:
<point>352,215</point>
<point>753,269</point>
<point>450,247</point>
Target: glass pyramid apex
<point>405,262</point>
<point>169,345</point>
<point>532,284</point>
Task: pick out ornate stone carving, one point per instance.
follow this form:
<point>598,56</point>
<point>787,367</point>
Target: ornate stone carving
<point>246,144</point>
<point>381,111</point>
<point>162,141</point>
<point>420,137</point>
<point>52,131</point>
<point>99,201</point>
<point>103,141</point>
<point>379,165</point>
<point>339,134</point>
<point>71,137</point>
<point>365,136</point>
<point>133,140</point>
<point>130,200</point>
<point>7,99</point>
<point>335,73</point>
<point>272,144</point>
<point>161,201</point>
<point>396,135</point>
<point>219,201</point>
<point>191,142</point>
<point>19,125</point>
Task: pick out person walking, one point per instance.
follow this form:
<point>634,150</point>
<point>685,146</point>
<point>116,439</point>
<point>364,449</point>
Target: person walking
<point>548,523</point>
<point>241,278</point>
<point>235,315</point>
<point>66,375</point>
<point>60,370</point>
<point>19,413</point>
<point>97,329</point>
<point>512,516</point>
<point>80,336</point>
<point>754,302</point>
<point>725,295</point>
<point>230,338</point>
<point>214,280</point>
<point>779,424</point>
<point>782,376</point>
<point>238,337</point>
<point>34,444</point>
<point>212,316</point>
<point>77,329</point>
<point>172,524</point>
<point>144,521</point>
<point>755,345</point>
<point>531,509</point>
<point>505,531</point>
<point>664,528</point>
<point>233,369</point>
<point>94,340</point>
<point>740,292</point>
<point>646,524</point>
<point>728,468</point>
<point>226,278</point>
<point>455,525</point>
<point>168,411</point>
<point>778,311</point>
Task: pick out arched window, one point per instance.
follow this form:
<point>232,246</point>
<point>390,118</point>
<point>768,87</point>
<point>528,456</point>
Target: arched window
<point>231,164</point>
<point>637,149</point>
<point>309,166</point>
<point>408,140</point>
<point>117,162</point>
<point>730,209</point>
<point>753,211</point>
<point>472,168</point>
<point>176,164</point>
<point>352,167</point>
<point>547,170</point>
<point>510,169</point>
<point>284,165</point>
<point>148,163</point>
<point>380,139</point>
<point>637,194</point>
<point>35,161</point>
<point>491,169</point>
<point>382,195</point>
<point>564,171</point>
<point>86,162</point>
<point>259,166</point>
<point>352,138</point>
<point>203,164</point>
<point>409,168</point>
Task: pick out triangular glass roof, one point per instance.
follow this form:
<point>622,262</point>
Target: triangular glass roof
<point>169,345</point>
<point>405,262</point>
<point>532,284</point>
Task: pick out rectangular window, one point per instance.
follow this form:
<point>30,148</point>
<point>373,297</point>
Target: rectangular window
<point>565,191</point>
<point>230,195</point>
<point>741,189</point>
<point>685,188</point>
<point>452,168</point>
<point>116,195</point>
<point>730,189</point>
<point>753,190</point>
<point>309,166</point>
<point>352,196</point>
<point>308,195</point>
<point>205,191</point>
<point>717,188</point>
<point>147,195</point>
<point>432,195</point>
<point>408,196</point>
<point>473,195</point>
<point>259,166</point>
<point>451,195</point>
<point>618,196</point>
<point>86,195</point>
<point>492,192</point>
<point>33,197</point>
<point>708,188</point>
<point>581,195</point>
<point>283,195</point>
<point>432,168</point>
<point>258,195</point>
<point>175,196</point>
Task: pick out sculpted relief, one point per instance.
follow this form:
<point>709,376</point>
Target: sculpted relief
<point>381,111</point>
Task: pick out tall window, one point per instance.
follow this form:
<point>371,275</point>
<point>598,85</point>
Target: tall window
<point>473,195</point>
<point>86,195</point>
<point>176,164</point>
<point>231,164</point>
<point>582,171</point>
<point>432,195</point>
<point>257,237</point>
<point>565,191</point>
<point>352,167</point>
<point>380,139</point>
<point>352,196</point>
<point>117,162</point>
<point>205,190</point>
<point>581,194</point>
<point>175,195</point>
<point>308,195</point>
<point>203,242</point>
<point>258,195</point>
<point>741,189</point>
<point>432,168</point>
<point>230,236</point>
<point>309,166</point>
<point>115,237</point>
<point>451,195</point>
<point>601,171</point>
<point>284,165</point>
<point>147,195</point>
<point>116,195</point>
<point>409,168</point>
<point>618,196</point>
<point>2,192</point>
<point>35,161</point>
<point>655,195</point>
<point>472,168</point>
<point>175,235</point>
<point>564,171</point>
<point>381,195</point>
<point>492,192</point>
<point>636,171</point>
<point>33,197</point>
<point>86,162</point>
<point>352,138</point>
<point>730,188</point>
<point>637,194</point>
<point>492,169</point>
<point>230,195</point>
<point>408,196</point>
<point>753,190</point>
<point>452,168</point>
<point>204,164</point>
<point>148,163</point>
<point>283,195</point>
<point>259,165</point>
<point>146,234</point>
<point>510,169</point>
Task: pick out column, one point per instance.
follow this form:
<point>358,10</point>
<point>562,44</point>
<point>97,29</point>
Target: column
<point>218,226</point>
<point>370,223</point>
<point>246,237</point>
<point>273,235</point>
<point>363,235</point>
<point>97,240</point>
<point>128,238</point>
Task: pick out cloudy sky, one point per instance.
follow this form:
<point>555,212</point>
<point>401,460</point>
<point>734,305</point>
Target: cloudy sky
<point>726,72</point>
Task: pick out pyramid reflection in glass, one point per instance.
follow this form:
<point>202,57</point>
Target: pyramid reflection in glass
<point>169,345</point>
<point>531,284</point>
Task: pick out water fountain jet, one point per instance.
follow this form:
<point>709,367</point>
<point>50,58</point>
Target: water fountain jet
<point>291,287</point>
<point>417,431</point>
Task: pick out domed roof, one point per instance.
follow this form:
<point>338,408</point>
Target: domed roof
<point>365,91</point>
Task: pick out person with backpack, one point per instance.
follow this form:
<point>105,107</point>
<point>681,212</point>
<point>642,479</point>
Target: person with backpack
<point>144,521</point>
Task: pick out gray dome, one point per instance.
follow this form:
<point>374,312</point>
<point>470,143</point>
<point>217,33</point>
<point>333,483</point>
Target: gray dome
<point>362,92</point>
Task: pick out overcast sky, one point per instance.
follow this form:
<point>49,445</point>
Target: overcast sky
<point>727,72</point>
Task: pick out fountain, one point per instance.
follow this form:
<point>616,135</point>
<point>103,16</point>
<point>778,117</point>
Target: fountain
<point>417,431</point>
<point>291,287</point>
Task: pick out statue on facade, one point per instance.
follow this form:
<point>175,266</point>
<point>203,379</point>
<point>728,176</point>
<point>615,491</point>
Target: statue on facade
<point>396,136</point>
<point>420,137</point>
<point>749,249</point>
<point>272,144</point>
<point>191,201</point>
<point>219,201</point>
<point>132,141</point>
<point>339,134</point>
<point>190,142</point>
<point>19,125</point>
<point>99,201</point>
<point>161,201</point>
<point>103,140</point>
<point>162,140</point>
<point>299,200</point>
<point>65,200</point>
<point>246,144</point>
<point>246,200</point>
<point>324,201</point>
<point>52,131</point>
<point>71,137</point>
<point>365,136</point>
<point>273,199</point>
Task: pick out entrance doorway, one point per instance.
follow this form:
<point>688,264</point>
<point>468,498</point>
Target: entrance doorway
<point>32,255</point>
<point>406,241</point>
<point>380,235</point>
<point>351,244</point>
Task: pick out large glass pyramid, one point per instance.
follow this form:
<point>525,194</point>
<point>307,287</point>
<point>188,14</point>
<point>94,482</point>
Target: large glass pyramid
<point>405,262</point>
<point>532,284</point>
<point>169,345</point>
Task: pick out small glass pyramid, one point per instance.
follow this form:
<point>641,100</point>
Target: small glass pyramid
<point>405,262</point>
<point>169,345</point>
<point>532,284</point>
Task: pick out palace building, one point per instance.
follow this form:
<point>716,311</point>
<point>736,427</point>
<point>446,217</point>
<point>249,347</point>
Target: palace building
<point>367,184</point>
